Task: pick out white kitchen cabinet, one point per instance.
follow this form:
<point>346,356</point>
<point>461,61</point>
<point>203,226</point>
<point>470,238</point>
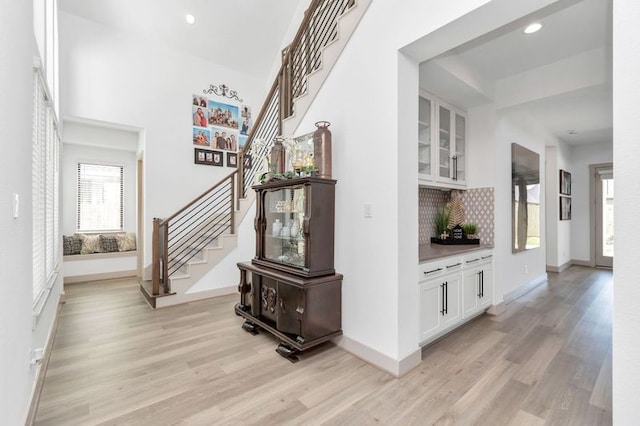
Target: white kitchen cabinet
<point>440,297</point>
<point>477,283</point>
<point>439,124</point>
<point>453,290</point>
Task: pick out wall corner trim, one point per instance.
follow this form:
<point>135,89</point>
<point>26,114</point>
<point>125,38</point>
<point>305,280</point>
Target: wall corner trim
<point>561,268</point>
<point>513,295</point>
<point>496,309</point>
<point>396,368</point>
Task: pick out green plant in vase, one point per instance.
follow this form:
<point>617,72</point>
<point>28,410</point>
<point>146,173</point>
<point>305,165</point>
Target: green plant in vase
<point>470,229</point>
<point>442,223</point>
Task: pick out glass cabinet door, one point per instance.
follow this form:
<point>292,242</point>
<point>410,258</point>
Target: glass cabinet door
<point>284,213</point>
<point>444,134</point>
<point>424,136</point>
<point>459,171</point>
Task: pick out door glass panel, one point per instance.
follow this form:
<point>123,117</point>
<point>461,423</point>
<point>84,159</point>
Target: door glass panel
<point>284,241</point>
<point>607,217</point>
<point>459,173</point>
<point>445,142</point>
<point>424,136</point>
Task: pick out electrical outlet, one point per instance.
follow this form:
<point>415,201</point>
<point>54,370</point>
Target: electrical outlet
<point>37,355</point>
<point>526,269</point>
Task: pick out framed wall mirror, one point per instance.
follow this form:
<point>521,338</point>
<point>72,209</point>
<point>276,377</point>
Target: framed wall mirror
<point>525,198</point>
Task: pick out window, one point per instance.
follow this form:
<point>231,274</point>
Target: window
<point>100,198</point>
<point>45,188</point>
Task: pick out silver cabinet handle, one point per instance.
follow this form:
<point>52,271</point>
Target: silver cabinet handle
<point>471,261</point>
<point>453,266</point>
<point>432,271</point>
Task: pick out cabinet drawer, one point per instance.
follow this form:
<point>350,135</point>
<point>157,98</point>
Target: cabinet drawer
<point>477,258</point>
<point>427,271</point>
<point>430,270</point>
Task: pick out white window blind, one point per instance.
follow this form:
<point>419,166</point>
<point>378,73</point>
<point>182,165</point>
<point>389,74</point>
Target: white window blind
<point>45,188</point>
<point>100,198</point>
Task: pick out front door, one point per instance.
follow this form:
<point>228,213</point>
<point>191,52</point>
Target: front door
<point>604,216</point>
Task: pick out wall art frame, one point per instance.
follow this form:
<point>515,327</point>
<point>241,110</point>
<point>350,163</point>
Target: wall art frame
<point>565,182</point>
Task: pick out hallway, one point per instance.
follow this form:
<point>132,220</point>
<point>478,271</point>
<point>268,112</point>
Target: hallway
<point>546,360</point>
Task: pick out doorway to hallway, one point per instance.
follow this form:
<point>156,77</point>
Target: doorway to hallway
<point>603,205</point>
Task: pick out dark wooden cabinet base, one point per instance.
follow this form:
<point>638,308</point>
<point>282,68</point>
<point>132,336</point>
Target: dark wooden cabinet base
<point>300,312</point>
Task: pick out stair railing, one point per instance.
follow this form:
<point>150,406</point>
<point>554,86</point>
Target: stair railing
<point>183,235</point>
<point>302,57</point>
<point>180,237</point>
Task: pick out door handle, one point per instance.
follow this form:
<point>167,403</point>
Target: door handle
<point>446,297</point>
<point>455,167</point>
<point>442,298</point>
<point>479,284</point>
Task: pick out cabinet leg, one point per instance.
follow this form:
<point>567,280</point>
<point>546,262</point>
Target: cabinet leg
<point>287,352</point>
<point>250,327</point>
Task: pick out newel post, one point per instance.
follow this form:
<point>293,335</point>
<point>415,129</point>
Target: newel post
<point>155,254</point>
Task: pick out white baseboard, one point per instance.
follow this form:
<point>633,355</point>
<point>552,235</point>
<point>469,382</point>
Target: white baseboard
<point>100,277</point>
<point>41,371</point>
<point>177,299</point>
<point>563,267</point>
<point>396,368</point>
<point>496,309</point>
<point>513,295</point>
<point>583,263</point>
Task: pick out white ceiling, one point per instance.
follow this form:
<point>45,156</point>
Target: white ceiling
<point>467,76</point>
<point>241,34</point>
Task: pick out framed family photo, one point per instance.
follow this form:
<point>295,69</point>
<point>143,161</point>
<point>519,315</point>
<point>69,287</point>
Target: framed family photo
<point>203,156</point>
<point>232,159</point>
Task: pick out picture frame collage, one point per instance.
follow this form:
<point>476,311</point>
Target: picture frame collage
<point>565,195</point>
<point>219,131</point>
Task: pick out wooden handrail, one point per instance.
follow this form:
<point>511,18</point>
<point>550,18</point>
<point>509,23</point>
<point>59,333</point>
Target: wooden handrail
<point>199,197</point>
<point>179,237</point>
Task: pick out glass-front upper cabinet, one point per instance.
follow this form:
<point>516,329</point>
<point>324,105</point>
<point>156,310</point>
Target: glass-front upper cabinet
<point>424,135</point>
<point>294,226</point>
<point>442,164</point>
<point>459,173</point>
<point>444,135</point>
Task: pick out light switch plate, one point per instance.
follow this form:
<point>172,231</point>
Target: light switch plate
<point>368,210</point>
<point>16,205</point>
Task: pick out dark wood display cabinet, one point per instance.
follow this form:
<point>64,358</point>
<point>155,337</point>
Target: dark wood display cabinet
<point>290,288</point>
<point>294,226</point>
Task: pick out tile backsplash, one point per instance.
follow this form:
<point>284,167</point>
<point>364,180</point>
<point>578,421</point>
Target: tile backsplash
<point>430,201</point>
<point>478,206</point>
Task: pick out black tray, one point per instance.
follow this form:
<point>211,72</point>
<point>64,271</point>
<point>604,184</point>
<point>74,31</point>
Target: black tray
<point>454,242</point>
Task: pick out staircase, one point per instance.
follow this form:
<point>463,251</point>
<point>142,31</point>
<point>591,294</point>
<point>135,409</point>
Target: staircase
<point>192,241</point>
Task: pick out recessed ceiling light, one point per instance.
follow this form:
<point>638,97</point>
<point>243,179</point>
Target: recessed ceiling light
<point>190,19</point>
<point>533,28</point>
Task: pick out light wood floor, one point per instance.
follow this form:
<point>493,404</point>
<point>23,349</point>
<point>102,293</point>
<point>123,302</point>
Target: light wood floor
<point>547,360</point>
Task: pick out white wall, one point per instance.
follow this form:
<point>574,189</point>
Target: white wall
<point>112,76</point>
<point>510,274</point>
<point>18,332</point>
<point>580,159</point>
<point>481,147</point>
<point>626,116</point>
<point>558,232</point>
<point>72,155</point>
